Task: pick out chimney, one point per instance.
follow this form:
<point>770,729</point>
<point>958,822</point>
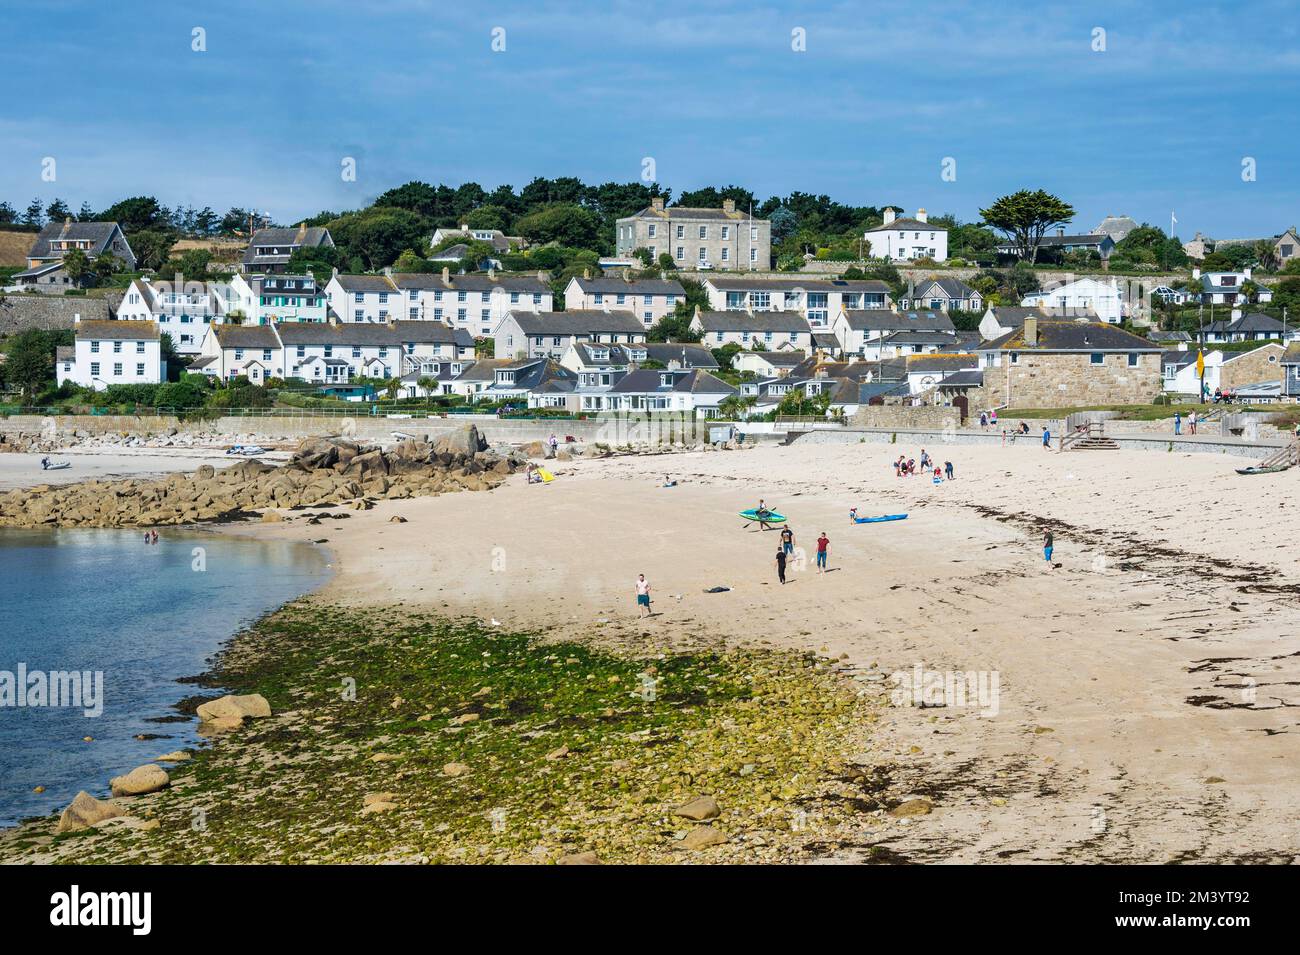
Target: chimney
<point>1031,332</point>
<point>921,215</point>
<point>388,271</point>
<point>464,227</point>
<point>1236,313</point>
<point>1247,271</point>
<point>446,275</point>
<point>657,203</point>
<point>889,215</point>
<point>627,275</point>
<point>1196,273</point>
<point>586,273</point>
<point>492,273</point>
<point>302,231</point>
<point>1060,230</point>
<point>728,205</point>
<point>67,221</point>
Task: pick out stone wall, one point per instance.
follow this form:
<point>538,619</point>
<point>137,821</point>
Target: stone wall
<point>902,416</point>
<point>1045,380</point>
<point>20,312</point>
<point>1253,367</point>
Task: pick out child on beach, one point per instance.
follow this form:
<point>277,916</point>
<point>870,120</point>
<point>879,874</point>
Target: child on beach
<point>1047,548</point>
<point>938,477</point>
<point>947,469</point>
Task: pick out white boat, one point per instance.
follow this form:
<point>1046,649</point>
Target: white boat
<point>246,450</point>
<point>48,465</point>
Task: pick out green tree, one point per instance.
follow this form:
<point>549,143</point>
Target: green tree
<point>57,211</point>
<point>566,224</point>
<point>76,264</point>
<point>378,235</point>
<point>137,214</point>
<point>30,362</point>
<point>1024,217</point>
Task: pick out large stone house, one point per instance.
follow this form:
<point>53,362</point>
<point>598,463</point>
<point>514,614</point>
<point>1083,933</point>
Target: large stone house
<point>1063,363</point>
<point>1286,246</point>
<point>92,239</point>
<point>725,238</point>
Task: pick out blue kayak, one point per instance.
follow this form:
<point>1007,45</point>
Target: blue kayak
<point>881,518</point>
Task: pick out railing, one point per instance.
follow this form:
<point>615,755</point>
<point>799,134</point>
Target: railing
<point>808,419</point>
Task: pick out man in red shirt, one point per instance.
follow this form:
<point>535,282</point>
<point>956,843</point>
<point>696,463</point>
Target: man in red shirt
<point>823,543</point>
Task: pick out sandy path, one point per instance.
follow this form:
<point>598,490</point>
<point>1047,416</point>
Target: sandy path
<point>1094,753</point>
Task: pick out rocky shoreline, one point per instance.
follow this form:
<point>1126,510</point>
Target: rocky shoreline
<point>326,471</point>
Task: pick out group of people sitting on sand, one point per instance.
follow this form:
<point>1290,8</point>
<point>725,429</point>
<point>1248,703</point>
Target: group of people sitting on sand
<point>910,467</point>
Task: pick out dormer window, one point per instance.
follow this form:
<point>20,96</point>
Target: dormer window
<point>666,380</point>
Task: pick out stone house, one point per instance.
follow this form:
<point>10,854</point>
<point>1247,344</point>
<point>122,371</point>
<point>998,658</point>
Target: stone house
<point>1056,363</point>
<point>1263,364</point>
<point>698,238</point>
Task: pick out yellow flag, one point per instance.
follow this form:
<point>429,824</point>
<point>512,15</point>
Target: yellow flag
<point>1200,363</point>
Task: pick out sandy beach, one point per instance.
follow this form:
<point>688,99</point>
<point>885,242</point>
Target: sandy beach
<point>1146,682</point>
<point>24,470</point>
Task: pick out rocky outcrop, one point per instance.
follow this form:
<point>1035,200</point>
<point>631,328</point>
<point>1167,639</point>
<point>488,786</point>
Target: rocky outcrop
<point>143,779</point>
<point>231,707</point>
<point>322,471</point>
<point>85,811</point>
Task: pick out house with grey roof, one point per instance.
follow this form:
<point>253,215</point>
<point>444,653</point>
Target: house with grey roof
<point>873,333</point>
<point>92,239</point>
<point>768,331</point>
<point>1000,319</point>
<point>907,238</point>
<point>729,239</point>
<point>944,295</point>
<point>1062,243</point>
<point>269,250</point>
<point>1117,227</point>
<point>499,241</point>
<point>1248,327</point>
<point>1054,363</point>
<point>693,391</point>
<point>819,300</point>
<point>768,364</point>
<point>1285,245</point>
<point>112,353</point>
<point>1226,288</point>
<point>651,298</point>
<point>522,378</point>
<point>548,334</point>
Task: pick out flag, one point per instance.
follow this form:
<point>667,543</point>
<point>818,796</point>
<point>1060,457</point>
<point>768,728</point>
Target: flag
<point>1200,363</point>
<point>1173,218</point>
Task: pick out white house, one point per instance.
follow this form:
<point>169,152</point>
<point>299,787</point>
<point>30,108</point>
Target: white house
<point>1224,288</point>
<point>879,333</point>
<point>183,310</point>
<point>265,299</point>
<point>905,239</point>
<point>817,300</point>
<point>694,391</point>
<point>112,353</point>
<point>649,299</point>
<point>549,334</point>
<point>229,351</point>
<point>1178,371</point>
<point>1087,297</point>
<point>944,295</point>
<point>476,302</point>
<point>768,364</point>
<point>770,331</point>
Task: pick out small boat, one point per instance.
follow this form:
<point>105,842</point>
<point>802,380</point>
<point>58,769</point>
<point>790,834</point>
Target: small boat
<point>880,519</point>
<point>402,436</point>
<point>246,450</point>
<point>55,465</point>
<point>1272,469</point>
<point>768,517</point>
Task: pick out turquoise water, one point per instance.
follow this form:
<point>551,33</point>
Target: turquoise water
<point>104,602</point>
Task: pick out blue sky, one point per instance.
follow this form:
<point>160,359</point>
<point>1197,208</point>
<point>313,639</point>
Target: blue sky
<point>1160,120</point>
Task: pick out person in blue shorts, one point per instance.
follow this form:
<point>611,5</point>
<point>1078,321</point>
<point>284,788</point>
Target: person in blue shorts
<point>1047,439</point>
<point>643,595</point>
<point>1047,547</point>
<point>787,539</point>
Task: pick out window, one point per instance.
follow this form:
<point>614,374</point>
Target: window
<point>753,255</point>
<point>726,232</point>
<point>117,369</point>
<point>266,354</point>
<point>704,256</point>
<point>681,252</point>
<point>621,300</point>
<point>1097,358</point>
<point>753,233</point>
<point>1133,360</point>
<point>598,298</point>
<point>537,298</point>
<point>725,254</point>
<point>356,351</point>
<point>650,230</point>
<point>704,232</point>
<point>485,315</point>
<point>359,298</point>
<point>302,350</point>
<point>139,370</point>
<point>414,312</point>
<point>514,298</point>
<point>681,231</point>
<point>94,368</point>
<point>383,298</point>
<point>462,297</point>
<point>1013,357</point>
<point>139,348</point>
<point>117,348</point>
<point>760,301</point>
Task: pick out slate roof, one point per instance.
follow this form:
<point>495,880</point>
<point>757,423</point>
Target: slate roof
<point>950,288</point>
<point>649,380</point>
<point>472,282</point>
<point>247,336</point>
<point>753,322</point>
<point>1069,336</point>
<point>365,283</point>
<point>741,284</point>
<point>966,378</point>
<point>908,224</point>
<point>286,240</point>
<point>1117,227</point>
<point>620,286</point>
<point>783,359</point>
<point>65,352</point>
<point>697,356</point>
<point>1292,354</point>
<point>113,330</point>
<point>693,212</point>
<point>97,233</point>
<point>941,362</point>
<point>884,319</point>
<point>908,337</point>
<point>577,322</point>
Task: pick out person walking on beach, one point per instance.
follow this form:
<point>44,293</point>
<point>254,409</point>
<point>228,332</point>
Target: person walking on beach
<point>926,463</point>
<point>553,443</point>
<point>993,417</point>
<point>1178,422</point>
<point>1191,422</point>
<point>643,595</point>
<point>1047,548</point>
<point>823,548</point>
<point>780,565</point>
<point>1047,440</point>
<point>984,419</point>
<point>787,540</point>
<point>947,470</point>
